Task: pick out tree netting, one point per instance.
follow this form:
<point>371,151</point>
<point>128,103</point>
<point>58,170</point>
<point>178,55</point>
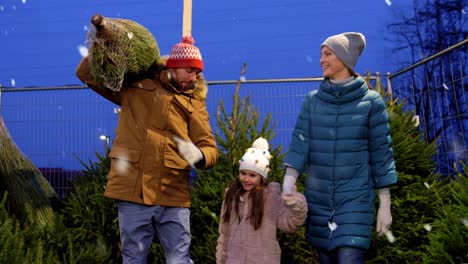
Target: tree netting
<point>119,48</point>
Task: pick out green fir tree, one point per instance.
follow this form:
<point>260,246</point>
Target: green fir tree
<point>417,195</point>
<point>26,186</point>
<point>448,234</point>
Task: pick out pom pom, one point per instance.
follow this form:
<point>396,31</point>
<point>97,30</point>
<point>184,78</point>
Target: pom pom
<point>188,40</point>
<point>260,143</point>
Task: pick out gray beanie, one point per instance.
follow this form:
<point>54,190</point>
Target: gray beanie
<point>347,47</point>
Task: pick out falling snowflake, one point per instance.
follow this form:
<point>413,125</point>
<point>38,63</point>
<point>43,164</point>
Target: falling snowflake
<point>333,226</point>
<point>465,221</point>
<point>242,78</point>
<point>130,35</point>
<point>427,185</point>
<point>415,120</point>
<point>85,28</point>
<point>463,12</point>
<point>13,82</point>
<point>309,59</point>
<point>301,137</point>
<point>389,236</point>
<point>388,2</point>
<point>116,110</point>
<point>445,86</point>
<point>141,247</point>
<point>428,227</point>
<point>1,8</point>
<point>83,50</point>
<point>121,166</point>
<point>23,1</point>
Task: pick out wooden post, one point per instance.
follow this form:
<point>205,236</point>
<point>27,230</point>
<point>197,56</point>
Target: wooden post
<point>187,19</point>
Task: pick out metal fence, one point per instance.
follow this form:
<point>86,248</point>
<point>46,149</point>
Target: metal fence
<point>435,89</point>
<point>60,127</point>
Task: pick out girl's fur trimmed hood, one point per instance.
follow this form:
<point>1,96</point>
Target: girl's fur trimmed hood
<point>200,90</point>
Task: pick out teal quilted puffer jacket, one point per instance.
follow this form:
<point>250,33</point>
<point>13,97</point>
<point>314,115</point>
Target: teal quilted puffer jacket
<point>342,142</point>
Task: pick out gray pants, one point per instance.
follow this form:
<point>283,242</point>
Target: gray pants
<point>139,223</point>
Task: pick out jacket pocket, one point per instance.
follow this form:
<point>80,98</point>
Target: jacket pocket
<point>125,153</point>
<point>125,173</point>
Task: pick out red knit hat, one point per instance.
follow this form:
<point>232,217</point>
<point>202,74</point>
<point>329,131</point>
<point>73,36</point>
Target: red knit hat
<point>185,54</point>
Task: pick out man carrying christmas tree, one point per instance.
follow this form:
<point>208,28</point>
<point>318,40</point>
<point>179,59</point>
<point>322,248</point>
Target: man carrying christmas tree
<point>163,132</point>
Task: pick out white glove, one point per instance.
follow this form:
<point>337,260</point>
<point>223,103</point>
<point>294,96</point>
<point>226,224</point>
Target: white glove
<point>289,181</point>
<point>384,216</point>
<point>290,200</point>
<point>188,151</point>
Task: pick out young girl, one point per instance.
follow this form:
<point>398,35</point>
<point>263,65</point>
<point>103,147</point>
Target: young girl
<point>252,211</point>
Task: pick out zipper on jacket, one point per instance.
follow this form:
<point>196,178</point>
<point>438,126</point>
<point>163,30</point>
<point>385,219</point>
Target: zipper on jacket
<point>334,159</point>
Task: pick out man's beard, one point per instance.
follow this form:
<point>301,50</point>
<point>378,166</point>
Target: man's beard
<point>177,85</point>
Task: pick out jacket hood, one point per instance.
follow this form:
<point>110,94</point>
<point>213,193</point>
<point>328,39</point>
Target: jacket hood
<point>199,91</point>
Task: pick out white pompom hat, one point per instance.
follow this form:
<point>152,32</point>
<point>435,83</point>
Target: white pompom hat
<point>257,158</point>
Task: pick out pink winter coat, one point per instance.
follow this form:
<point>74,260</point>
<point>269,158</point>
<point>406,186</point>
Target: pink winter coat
<point>240,243</point>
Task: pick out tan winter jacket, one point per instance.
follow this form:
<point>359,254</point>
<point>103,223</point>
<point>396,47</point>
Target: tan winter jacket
<point>146,167</point>
<point>240,243</point>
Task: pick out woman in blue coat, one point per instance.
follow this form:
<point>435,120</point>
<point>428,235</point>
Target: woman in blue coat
<point>342,142</point>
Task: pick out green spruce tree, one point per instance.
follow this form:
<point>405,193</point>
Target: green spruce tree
<point>416,195</point>
<point>26,186</point>
<point>448,234</point>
